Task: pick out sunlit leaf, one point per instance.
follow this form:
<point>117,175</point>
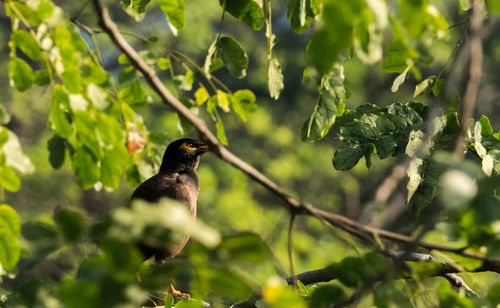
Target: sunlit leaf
<point>14,155</point>
<point>400,79</point>
<point>10,225</point>
<point>424,85</point>
<point>59,117</point>
<point>8,178</point>
<point>325,112</point>
<point>163,63</point>
<point>174,9</point>
<point>248,11</point>
<point>274,78</point>
<point>4,116</point>
<point>139,6</point>
<point>27,44</point>
<point>85,166</point>
<point>21,74</point>
<point>221,134</point>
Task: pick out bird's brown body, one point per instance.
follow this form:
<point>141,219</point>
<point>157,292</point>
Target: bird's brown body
<point>177,179</point>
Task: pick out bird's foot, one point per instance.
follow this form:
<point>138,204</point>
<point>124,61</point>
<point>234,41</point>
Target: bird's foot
<point>176,293</point>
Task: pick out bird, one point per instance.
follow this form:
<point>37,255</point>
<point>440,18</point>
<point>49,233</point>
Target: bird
<point>176,179</point>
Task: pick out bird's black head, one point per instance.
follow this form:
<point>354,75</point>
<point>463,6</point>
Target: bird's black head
<point>183,154</point>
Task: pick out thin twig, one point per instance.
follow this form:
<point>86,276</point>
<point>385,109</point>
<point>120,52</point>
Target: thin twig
<point>290,250</point>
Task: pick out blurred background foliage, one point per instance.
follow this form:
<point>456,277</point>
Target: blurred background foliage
<point>57,213</point>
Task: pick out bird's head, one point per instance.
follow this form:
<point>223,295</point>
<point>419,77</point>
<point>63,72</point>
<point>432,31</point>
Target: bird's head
<point>183,153</point>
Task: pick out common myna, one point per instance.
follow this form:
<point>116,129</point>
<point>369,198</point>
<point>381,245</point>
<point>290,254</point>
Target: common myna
<point>177,179</point>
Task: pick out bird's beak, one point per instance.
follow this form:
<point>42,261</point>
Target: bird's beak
<point>203,148</point>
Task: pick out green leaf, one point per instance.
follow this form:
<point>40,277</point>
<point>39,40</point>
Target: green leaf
<point>248,11</point>
<point>304,289</point>
<point>385,146</point>
<point>348,157</point>
<point>139,6</point>
<point>233,55</point>
<point>274,78</point>
<point>449,298</point>
<point>59,117</point>
<point>21,74</point>
<point>215,64</point>
<point>126,74</point>
<point>438,85</point>
<point>44,10</point>
<point>57,150</point>
<point>327,295</point>
<point>486,128</point>
<point>493,294</point>
<point>123,59</point>
<point>243,101</point>
<point>221,135</point>
<point>223,100</point>
<point>10,220</point>
<point>277,296</point>
<point>27,44</point>
<point>336,36</point>
<point>300,14</point>
<point>43,238</point>
<point>168,300</point>
<point>424,85</point>
<point>72,80</point>
<point>390,294</point>
<point>111,166</point>
<point>110,131</point>
<point>71,224</point>
<point>4,116</point>
<point>85,166</point>
<point>163,63</point>
<point>398,57</point>
<point>42,77</point>
<point>9,179</point>
<point>245,246</point>
<point>400,79</point>
<point>325,111</point>
<point>201,96</point>
<point>15,156</point>
<point>225,283</point>
<point>133,95</point>
<point>86,131</point>
<point>415,173</point>
<point>174,9</point>
<point>10,226</point>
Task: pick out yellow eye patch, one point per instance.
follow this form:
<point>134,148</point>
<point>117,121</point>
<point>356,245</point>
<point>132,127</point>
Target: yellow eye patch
<point>186,147</point>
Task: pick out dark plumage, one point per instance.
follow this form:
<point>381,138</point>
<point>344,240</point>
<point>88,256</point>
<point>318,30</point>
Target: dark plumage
<point>177,179</point>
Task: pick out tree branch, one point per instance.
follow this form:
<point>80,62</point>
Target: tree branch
<point>475,71</point>
<point>293,204</point>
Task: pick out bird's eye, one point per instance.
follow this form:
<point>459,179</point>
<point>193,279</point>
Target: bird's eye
<point>190,146</point>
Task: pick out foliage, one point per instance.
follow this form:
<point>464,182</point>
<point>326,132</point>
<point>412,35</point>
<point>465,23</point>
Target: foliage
<point>103,125</point>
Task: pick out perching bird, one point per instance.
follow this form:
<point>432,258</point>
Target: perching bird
<point>177,179</point>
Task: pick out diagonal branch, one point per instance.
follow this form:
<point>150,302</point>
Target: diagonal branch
<point>294,205</point>
<point>468,103</point>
